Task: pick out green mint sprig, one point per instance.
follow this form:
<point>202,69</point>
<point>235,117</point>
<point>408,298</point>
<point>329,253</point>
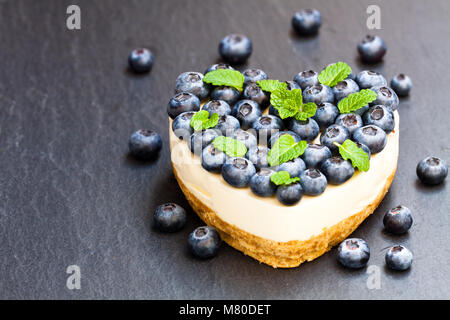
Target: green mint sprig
<point>334,73</point>
<point>356,100</point>
<point>225,77</point>
<point>271,85</point>
<point>358,157</point>
<point>285,149</point>
<point>308,110</point>
<point>231,147</point>
<point>201,120</point>
<point>289,103</point>
<point>283,178</point>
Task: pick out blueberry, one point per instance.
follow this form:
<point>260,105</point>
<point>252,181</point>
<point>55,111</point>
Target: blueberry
<point>258,156</point>
<point>273,111</point>
<point>344,88</point>
<point>235,48</point>
<point>204,242</point>
<point>247,112</point>
<point>141,60</point>
<point>291,85</point>
<point>362,110</point>
<point>372,49</point>
<point>307,78</point>
<point>290,194</point>
<point>145,144</point>
<point>182,102</point>
<point>267,125</point>
<point>385,96</point>
<point>227,125</point>
<point>228,94</point>
<point>398,220</point>
<point>351,76</point>
<point>294,167</point>
<point>313,182</point>
<point>218,66</point>
<point>364,147</point>
<point>318,94</point>
<point>432,170</point>
<point>307,22</point>
<point>334,133</point>
<point>326,114</point>
<point>253,92</point>
<point>401,84</point>
<point>276,135</point>
<point>169,217</point>
<point>246,137</point>
<point>307,130</point>
<point>372,136</point>
<point>212,159</point>
<point>238,171</point>
<point>367,79</point>
<point>181,126</point>
<point>380,116</point>
<point>398,258</point>
<point>217,106</point>
<point>353,253</point>
<point>252,75</point>
<point>261,184</point>
<point>192,82</point>
<point>315,154</point>
<point>337,170</point>
<point>351,121</point>
<point>200,139</point>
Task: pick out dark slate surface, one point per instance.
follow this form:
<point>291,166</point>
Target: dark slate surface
<point>70,195</point>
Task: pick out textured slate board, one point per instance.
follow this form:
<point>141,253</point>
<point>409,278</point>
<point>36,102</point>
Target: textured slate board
<point>71,195</point>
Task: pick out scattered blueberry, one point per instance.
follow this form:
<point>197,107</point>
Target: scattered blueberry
<point>253,92</point>
<point>200,139</point>
<point>399,258</point>
<point>318,94</point>
<point>334,133</point>
<point>267,125</point>
<point>401,84</point>
<point>386,97</point>
<point>248,138</point>
<point>292,85</point>
<point>315,154</point>
<point>307,130</point>
<point>307,22</point>
<point>295,167</point>
<point>351,121</point>
<point>307,78</point>
<point>398,220</point>
<point>313,182</point>
<point>169,217</point>
<point>372,136</point>
<point>227,125</point>
<point>235,48</point>
<point>182,102</point>
<point>204,242</point>
<point>181,126</point>
<point>380,116</point>
<point>192,82</point>
<point>337,170</point>
<point>367,79</point>
<point>247,112</point>
<point>258,156</point>
<point>372,49</point>
<point>326,114</point>
<point>218,66</point>
<point>276,135</point>
<point>228,94</point>
<point>145,144</point>
<point>353,253</point>
<point>238,171</point>
<point>213,159</point>
<point>432,170</point>
<point>290,194</point>
<point>217,106</point>
<point>141,60</point>
<point>344,88</point>
<point>261,184</point>
<point>252,75</point>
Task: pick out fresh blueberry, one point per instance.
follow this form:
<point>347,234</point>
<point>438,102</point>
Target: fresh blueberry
<point>204,242</point>
<point>227,125</point>
<point>182,102</point>
<point>258,156</point>
<point>318,94</point>
<point>213,159</point>
<point>362,110</point>
<point>307,78</point>
<point>192,82</point>
<point>306,22</point>
<point>200,139</point>
<point>218,66</point>
<point>432,170</point>
<point>372,136</point>
<point>290,194</point>
<point>337,170</point>
<point>398,220</point>
<point>145,144</point>
<point>315,154</point>
<point>294,167</point>
<point>228,94</point>
<point>385,96</point>
<point>326,114</point>
<point>307,130</point>
<point>372,49</point>
<point>291,85</point>
<point>351,121</point>
<point>253,92</point>
<point>367,79</point>
<point>235,48</point>
<point>351,76</point>
<point>267,125</point>
<point>276,135</point>
<point>344,88</point>
<point>247,112</point>
<point>141,60</point>
<point>248,138</point>
<point>364,147</point>
<point>334,133</point>
<point>217,106</point>
<point>399,258</point>
<point>353,253</point>
<point>261,184</point>
<point>169,217</point>
<point>313,182</point>
<point>380,116</point>
<point>273,111</point>
<point>181,126</point>
<point>238,171</point>
<point>401,84</point>
<point>252,75</point>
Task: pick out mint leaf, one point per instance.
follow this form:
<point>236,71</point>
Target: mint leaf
<point>232,147</point>
<point>225,77</point>
<point>271,85</point>
<point>358,157</point>
<point>285,149</point>
<point>283,178</point>
<point>201,120</point>
<point>356,100</point>
<point>287,102</point>
<point>308,110</point>
<point>334,73</point>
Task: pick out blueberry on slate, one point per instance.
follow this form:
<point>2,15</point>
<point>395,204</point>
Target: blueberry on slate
<point>248,138</point>
<point>169,217</point>
<point>326,114</point>
<point>141,60</point>
<point>228,94</point>
<point>401,84</point>
<point>204,242</point>
<point>318,94</point>
<point>253,92</point>
<point>261,184</point>
<point>181,126</point>
<point>306,22</point>
<point>295,167</point>
<point>213,159</point>
<point>267,125</point>
<point>398,220</point>
<point>200,139</point>
<point>182,102</point>
<point>238,171</point>
<point>380,116</point>
<point>371,49</point>
<point>247,112</point>
<point>367,79</point>
<point>334,133</point>
<point>227,125</point>
<point>307,130</point>
<point>315,154</point>
<point>386,97</point>
<point>344,88</point>
<point>258,156</point>
<point>218,66</point>
<point>337,170</point>
<point>398,258</point>
<point>291,85</point>
<point>235,48</point>
<point>192,82</point>
<point>217,106</point>
<point>307,78</point>
<point>145,144</point>
<point>252,75</point>
<point>276,135</point>
<point>351,121</point>
<point>353,253</point>
<point>290,194</point>
<point>372,136</point>
<point>432,170</point>
<point>313,182</point>
<point>364,147</point>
